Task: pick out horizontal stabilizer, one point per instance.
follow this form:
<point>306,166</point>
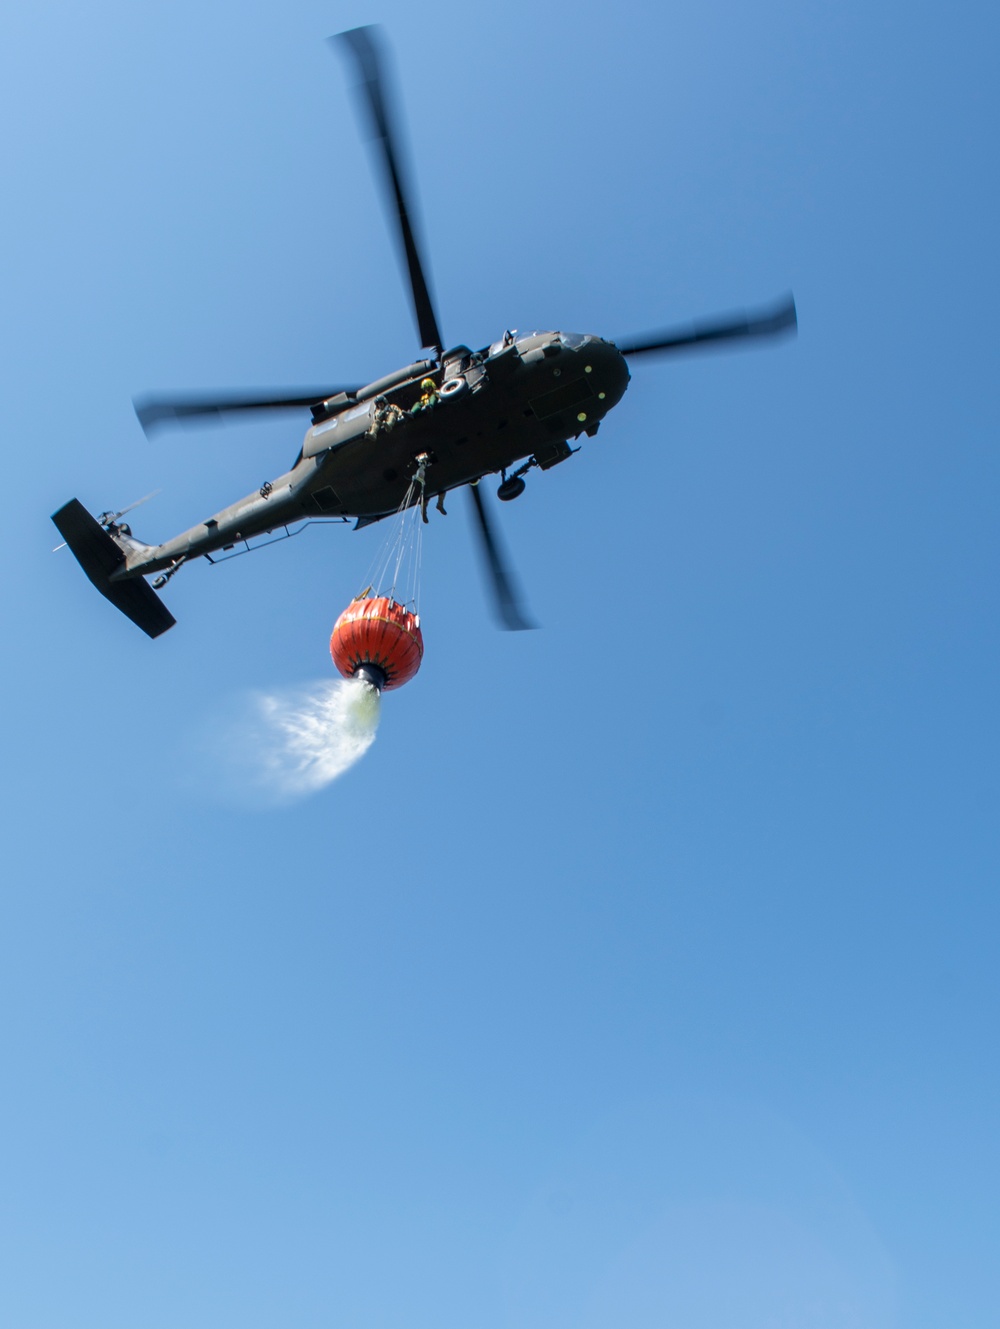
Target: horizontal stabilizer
<point>100,556</point>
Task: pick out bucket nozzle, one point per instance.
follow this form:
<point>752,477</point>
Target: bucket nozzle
<point>372,675</point>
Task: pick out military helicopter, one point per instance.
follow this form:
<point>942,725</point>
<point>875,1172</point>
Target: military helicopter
<point>451,418</point>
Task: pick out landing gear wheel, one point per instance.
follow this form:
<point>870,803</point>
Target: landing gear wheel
<point>511,489</point>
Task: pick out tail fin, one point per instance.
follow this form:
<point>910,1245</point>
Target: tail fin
<point>100,556</point>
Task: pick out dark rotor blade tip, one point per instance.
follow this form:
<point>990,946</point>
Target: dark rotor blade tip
<point>744,326</point>
<point>153,412</point>
<point>505,600</point>
<point>373,94</point>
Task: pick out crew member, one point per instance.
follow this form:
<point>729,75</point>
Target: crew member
<point>385,415</point>
<point>428,397</point>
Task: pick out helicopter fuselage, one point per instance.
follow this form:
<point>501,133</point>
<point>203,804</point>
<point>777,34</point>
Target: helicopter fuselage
<point>524,397</point>
<point>400,441</point>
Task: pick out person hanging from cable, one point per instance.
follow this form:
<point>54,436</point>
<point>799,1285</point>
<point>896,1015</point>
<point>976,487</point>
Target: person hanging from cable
<point>420,482</point>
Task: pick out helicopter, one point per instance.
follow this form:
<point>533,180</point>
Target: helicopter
<point>448,419</point>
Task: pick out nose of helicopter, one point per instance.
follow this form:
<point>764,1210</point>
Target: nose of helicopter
<point>582,358</point>
<point>608,370</point>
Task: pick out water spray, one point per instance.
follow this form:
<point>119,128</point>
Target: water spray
<point>293,742</point>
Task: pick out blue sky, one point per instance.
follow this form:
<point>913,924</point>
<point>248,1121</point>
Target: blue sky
<point>644,971</point>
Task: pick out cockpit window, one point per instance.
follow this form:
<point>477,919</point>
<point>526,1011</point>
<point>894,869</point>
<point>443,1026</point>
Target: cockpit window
<point>508,339</point>
<point>571,340</point>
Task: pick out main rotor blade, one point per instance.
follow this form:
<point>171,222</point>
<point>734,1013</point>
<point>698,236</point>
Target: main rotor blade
<point>737,327</point>
<point>505,600</point>
<point>375,103</point>
<point>156,411</point>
